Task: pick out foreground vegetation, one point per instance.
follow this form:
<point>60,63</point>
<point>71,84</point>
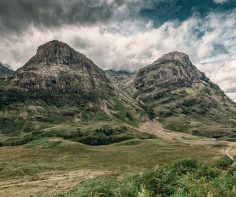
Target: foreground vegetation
<point>187,178</point>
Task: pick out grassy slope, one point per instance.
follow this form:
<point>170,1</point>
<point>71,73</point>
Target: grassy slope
<point>200,111</point>
<point>130,156</point>
<point>26,116</point>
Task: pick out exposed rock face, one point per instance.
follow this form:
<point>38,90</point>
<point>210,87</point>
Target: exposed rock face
<point>56,66</point>
<point>173,69</point>
<point>5,70</point>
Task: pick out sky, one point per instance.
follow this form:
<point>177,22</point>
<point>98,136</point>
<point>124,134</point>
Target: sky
<point>126,34</point>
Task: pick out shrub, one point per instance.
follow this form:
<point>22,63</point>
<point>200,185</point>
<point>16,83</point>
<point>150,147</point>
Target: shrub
<point>224,163</point>
<point>182,179</point>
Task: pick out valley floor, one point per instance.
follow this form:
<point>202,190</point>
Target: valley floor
<point>52,165</point>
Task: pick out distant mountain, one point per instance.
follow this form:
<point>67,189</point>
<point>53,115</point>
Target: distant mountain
<point>5,70</point>
<point>176,93</point>
<point>121,79</point>
<point>117,74</point>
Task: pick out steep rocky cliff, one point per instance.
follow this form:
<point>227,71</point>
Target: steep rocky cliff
<point>171,70</point>
<point>58,67</point>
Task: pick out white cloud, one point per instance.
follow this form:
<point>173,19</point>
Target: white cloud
<point>210,43</point>
<point>220,1</point>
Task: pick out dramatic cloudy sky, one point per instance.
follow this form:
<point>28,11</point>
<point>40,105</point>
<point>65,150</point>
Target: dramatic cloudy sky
<point>126,34</point>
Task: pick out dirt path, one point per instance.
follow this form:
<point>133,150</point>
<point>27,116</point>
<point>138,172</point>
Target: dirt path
<point>228,153</point>
<point>47,183</point>
<point>156,129</point>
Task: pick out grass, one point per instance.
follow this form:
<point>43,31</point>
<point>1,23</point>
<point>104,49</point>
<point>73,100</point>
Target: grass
<point>129,156</point>
<point>102,133</point>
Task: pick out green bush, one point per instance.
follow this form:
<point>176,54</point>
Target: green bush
<point>187,178</point>
<point>224,163</point>
<point>94,138</point>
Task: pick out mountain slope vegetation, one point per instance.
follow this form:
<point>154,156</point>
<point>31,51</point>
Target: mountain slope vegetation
<point>173,91</point>
<point>60,92</point>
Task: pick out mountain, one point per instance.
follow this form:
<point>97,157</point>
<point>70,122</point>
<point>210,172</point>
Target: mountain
<point>60,92</point>
<point>177,94</point>
<point>58,67</point>
<point>5,70</point>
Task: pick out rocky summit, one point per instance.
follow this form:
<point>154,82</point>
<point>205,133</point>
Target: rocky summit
<point>57,66</point>
<point>173,69</point>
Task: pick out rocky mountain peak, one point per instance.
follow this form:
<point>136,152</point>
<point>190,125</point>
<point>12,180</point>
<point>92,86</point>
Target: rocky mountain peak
<point>176,56</point>
<point>56,52</point>
<point>57,66</point>
<point>172,69</point>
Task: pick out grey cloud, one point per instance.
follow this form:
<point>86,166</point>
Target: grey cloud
<point>162,11</point>
<point>231,90</point>
<point>18,15</point>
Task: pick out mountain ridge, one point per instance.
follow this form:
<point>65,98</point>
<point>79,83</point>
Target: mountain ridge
<point>59,87</point>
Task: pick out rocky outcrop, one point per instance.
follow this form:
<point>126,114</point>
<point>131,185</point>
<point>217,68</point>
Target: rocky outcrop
<point>173,69</point>
<point>58,67</point>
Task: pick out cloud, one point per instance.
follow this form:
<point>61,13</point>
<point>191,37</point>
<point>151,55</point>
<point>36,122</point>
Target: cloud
<point>162,11</point>
<point>220,1</point>
<point>223,73</point>
<point>17,16</point>
<point>134,42</point>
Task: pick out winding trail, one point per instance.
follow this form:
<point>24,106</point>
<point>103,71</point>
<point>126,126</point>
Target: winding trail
<point>228,153</point>
<point>51,183</point>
